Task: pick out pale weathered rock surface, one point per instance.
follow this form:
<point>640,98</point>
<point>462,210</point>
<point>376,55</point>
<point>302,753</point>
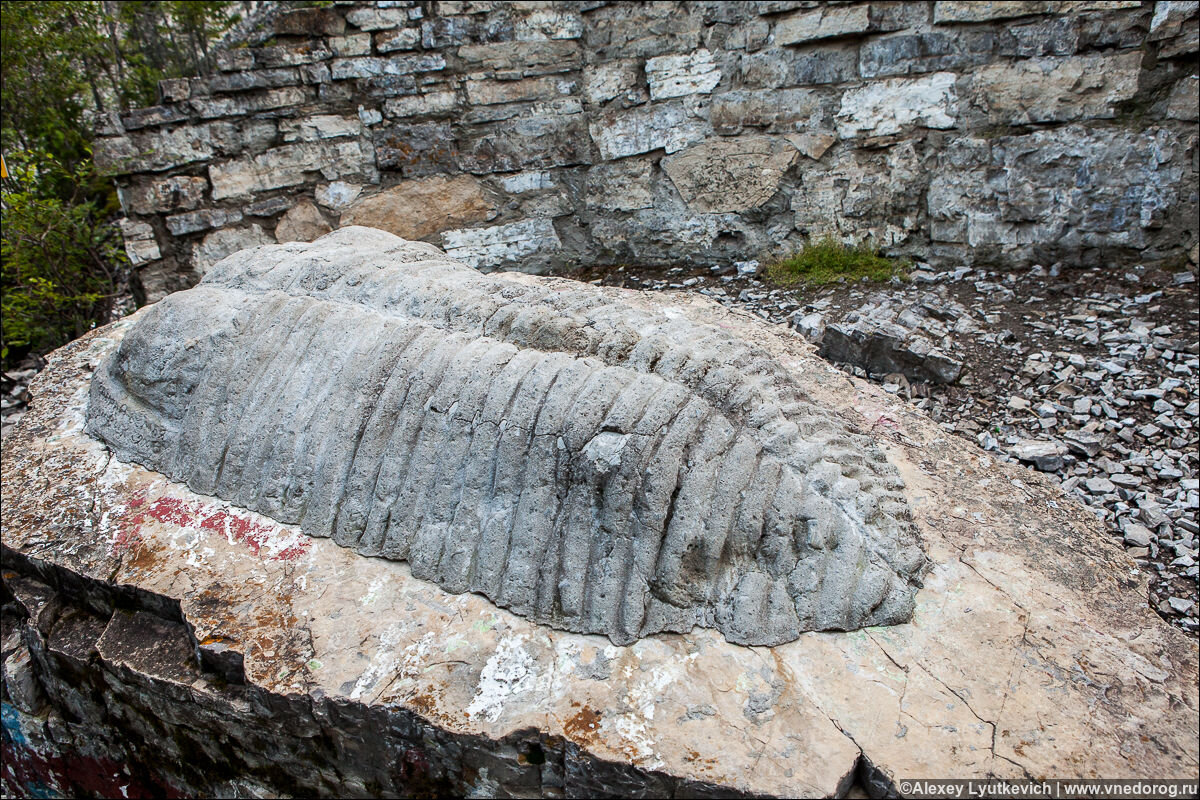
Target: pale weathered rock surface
<point>287,165</point>
<point>577,461</point>
<point>888,107</point>
<point>337,195</point>
<point>140,243</point>
<point>1042,90</point>
<point>1031,650</point>
<point>423,207</point>
<point>603,82</point>
<point>676,76</point>
<point>488,248</point>
<point>219,244</point>
<point>824,23</point>
<point>666,127</point>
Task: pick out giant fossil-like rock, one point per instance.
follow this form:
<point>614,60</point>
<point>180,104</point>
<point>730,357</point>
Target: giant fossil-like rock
<point>589,464</point>
<point>152,632</point>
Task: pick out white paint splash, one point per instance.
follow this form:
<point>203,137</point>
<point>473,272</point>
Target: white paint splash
<point>508,672</point>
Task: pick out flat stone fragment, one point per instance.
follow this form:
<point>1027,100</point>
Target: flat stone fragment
<point>403,39</point>
<point>373,19</point>
<point>168,194</point>
<point>957,11</point>
<point>302,223</point>
<point>350,661</point>
<point>889,106</point>
<point>431,103</point>
<point>1138,535</point>
<point>727,175</point>
<point>203,219</point>
<point>150,151</point>
<point>813,145</point>
<point>882,336</point>
<point>287,165</point>
<point>488,92</point>
<point>321,126</point>
<point>1046,456</point>
<point>1038,90</point>
<point>583,464</point>
<point>501,244</point>
<point>354,45</point>
<point>603,82</point>
<point>423,207</point>
<point>824,23</point>
<point>640,130</point>
<point>337,195</point>
<point>344,68</point>
<point>140,243</point>
<point>679,75</point>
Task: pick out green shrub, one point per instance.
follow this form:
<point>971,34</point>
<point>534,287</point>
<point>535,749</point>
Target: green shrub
<point>828,260</point>
<point>60,261</point>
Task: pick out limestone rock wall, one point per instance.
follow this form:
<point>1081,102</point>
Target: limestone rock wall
<point>542,135</point>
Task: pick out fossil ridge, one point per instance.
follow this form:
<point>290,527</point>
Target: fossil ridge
<point>596,465</point>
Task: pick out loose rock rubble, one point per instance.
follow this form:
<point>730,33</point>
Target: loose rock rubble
<point>1087,375</point>
<point>14,394</point>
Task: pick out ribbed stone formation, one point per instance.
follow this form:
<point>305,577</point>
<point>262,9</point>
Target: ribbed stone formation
<point>595,464</point>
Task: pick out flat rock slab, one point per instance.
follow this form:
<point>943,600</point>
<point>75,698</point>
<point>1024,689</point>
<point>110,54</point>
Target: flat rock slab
<point>1031,652</point>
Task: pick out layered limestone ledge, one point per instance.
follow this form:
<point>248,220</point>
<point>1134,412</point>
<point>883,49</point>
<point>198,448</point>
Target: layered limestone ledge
<point>210,650</point>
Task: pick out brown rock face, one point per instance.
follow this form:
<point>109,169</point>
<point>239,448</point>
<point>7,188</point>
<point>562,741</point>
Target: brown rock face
<point>420,208</point>
<point>310,21</point>
<point>302,223</point>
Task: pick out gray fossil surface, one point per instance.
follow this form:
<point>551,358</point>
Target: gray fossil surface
<point>597,465</point>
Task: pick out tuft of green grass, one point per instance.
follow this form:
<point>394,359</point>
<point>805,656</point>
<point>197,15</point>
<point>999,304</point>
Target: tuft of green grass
<point>827,261</point>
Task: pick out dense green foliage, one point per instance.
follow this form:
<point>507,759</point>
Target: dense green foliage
<point>60,260</point>
<point>63,59</point>
<point>829,261</point>
<point>61,64</point>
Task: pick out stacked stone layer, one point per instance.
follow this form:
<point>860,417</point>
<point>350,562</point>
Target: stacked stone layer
<point>539,136</point>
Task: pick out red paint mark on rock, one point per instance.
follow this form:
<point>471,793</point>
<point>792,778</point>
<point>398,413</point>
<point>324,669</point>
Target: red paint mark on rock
<point>255,536</point>
<point>127,538</point>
